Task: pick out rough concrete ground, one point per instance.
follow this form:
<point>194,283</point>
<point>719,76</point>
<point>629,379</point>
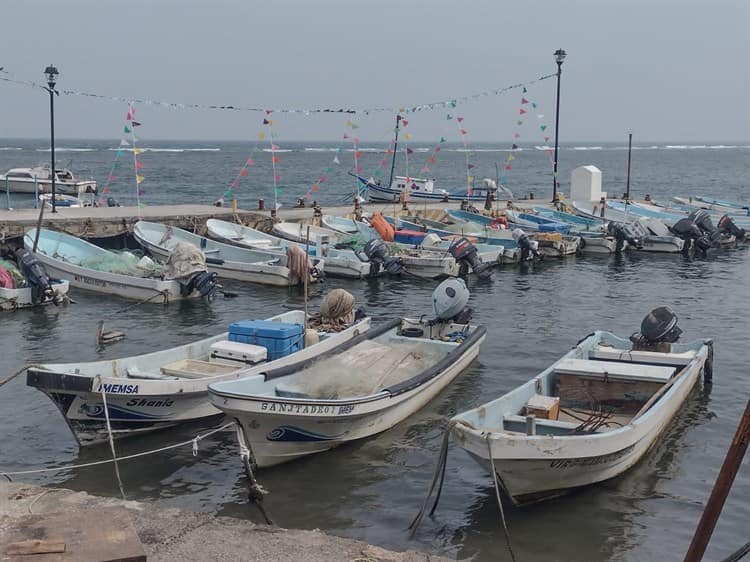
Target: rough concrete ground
<point>175,534</point>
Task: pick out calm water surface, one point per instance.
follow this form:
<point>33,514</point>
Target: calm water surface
<point>370,490</point>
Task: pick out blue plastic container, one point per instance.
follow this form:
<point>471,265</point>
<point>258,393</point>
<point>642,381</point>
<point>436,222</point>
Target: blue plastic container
<point>280,339</point>
<point>411,237</point>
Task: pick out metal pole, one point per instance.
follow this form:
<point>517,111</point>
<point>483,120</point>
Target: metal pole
<point>627,188</point>
<point>557,128</point>
<point>721,489</point>
<point>36,192</point>
<point>52,142</point>
<point>7,192</point>
<point>395,148</point>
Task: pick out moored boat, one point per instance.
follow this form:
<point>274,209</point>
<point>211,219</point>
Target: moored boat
<point>89,267</point>
<point>166,388</point>
<point>589,416</point>
<point>357,390</point>
<point>231,262</point>
<point>39,180</point>
<point>24,282</point>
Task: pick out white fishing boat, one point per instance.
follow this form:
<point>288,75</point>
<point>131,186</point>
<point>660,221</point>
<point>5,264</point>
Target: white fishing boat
<point>338,263</point>
<point>231,262</point>
<point>86,197</point>
<point>588,417</point>
<point>89,267</point>
<point>357,390</point>
<point>297,232</point>
<point>165,388</point>
<point>24,282</point>
<point>39,180</point>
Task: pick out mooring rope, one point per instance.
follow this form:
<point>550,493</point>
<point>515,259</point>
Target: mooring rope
<point>192,442</point>
<point>256,491</point>
<point>111,439</point>
<point>18,372</point>
<point>164,293</point>
<point>499,499</point>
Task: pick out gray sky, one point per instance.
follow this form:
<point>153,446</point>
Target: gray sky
<point>665,70</point>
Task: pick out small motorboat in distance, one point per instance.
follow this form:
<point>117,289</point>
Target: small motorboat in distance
<point>359,389</point>
<point>591,415</point>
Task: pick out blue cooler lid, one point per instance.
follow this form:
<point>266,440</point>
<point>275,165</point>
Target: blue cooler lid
<point>265,329</point>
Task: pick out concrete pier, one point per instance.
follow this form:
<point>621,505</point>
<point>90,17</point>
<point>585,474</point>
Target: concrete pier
<point>175,534</point>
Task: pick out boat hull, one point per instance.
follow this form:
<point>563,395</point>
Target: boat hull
<point>279,430</point>
<point>21,185</point>
<point>12,299</point>
<point>140,405</point>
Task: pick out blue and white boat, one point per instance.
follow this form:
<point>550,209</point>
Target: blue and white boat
<point>421,188</point>
<point>587,418</point>
<point>92,268</point>
<point>169,387</point>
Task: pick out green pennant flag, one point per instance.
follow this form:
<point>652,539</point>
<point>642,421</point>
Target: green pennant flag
<point>126,129</point>
<point>449,117</point>
<point>276,191</point>
<point>519,122</point>
<point>355,126</point>
<point>328,170</point>
<point>525,90</point>
<point>453,103</point>
<point>377,172</point>
<point>542,127</point>
<point>116,165</point>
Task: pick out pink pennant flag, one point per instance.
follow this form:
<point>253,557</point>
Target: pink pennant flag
<point>235,183</point>
<point>464,132</point>
<point>404,122</point>
<point>111,178</point>
<point>517,136</point>
<point>355,140</point>
<point>507,167</point>
<point>521,111</point>
<point>384,162</point>
<point>243,172</point>
<point>274,147</point>
<point>524,100</point>
<point>308,196</point>
<point>322,179</point>
<point>358,169</point>
<point>277,177</point>
<point>316,187</point>
<point>459,119</point>
<point>357,154</point>
<point>546,139</point>
<point>550,151</point>
<point>129,116</point>
<point>432,159</point>
<point>138,165</point>
<point>425,169</point>
<point>437,149</point>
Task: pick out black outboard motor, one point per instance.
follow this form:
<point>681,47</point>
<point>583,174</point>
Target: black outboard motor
<point>528,248</point>
<point>622,233</point>
<point>702,219</point>
<point>201,281</point>
<point>112,202</point>
<point>465,253</point>
<point>34,272</point>
<point>691,234</point>
<point>377,254</point>
<point>727,225</point>
<point>658,330</point>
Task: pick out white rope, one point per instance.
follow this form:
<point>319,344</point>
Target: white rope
<point>109,434</point>
<point>127,457</point>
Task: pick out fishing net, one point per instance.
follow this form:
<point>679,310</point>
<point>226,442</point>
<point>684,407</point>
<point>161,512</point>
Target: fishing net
<point>336,312</point>
<point>184,260</point>
<point>123,263</point>
<point>10,267</point>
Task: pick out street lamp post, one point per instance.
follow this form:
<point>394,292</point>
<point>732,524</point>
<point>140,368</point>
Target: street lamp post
<point>51,73</point>
<point>559,58</point>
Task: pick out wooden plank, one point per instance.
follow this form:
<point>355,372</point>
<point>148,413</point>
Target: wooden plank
<point>624,396</point>
<point>637,372</point>
<point>651,357</point>
<point>89,535</point>
<point>35,547</point>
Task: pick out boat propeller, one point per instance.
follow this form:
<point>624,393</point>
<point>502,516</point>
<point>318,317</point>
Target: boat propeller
<point>465,253</point>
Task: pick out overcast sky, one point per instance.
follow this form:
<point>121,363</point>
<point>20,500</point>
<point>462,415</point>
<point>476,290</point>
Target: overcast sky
<point>665,70</point>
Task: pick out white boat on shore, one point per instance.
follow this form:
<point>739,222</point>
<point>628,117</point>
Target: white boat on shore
<point>357,390</point>
<point>338,263</point>
<point>39,180</point>
<point>166,388</point>
<point>297,232</point>
<point>588,417</point>
<point>89,267</point>
<point>230,262</point>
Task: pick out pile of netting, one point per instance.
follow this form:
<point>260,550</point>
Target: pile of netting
<point>123,263</point>
<point>10,276</point>
<point>336,312</point>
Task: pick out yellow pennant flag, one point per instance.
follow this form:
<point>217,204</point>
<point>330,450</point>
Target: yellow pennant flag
<point>138,150</point>
<point>138,179</point>
<point>407,136</point>
<point>511,158</point>
<point>261,136</point>
<point>470,179</point>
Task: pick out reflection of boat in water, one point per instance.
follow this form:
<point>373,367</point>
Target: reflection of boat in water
<point>39,179</point>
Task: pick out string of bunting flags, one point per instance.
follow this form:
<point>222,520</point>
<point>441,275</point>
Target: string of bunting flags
<point>7,77</point>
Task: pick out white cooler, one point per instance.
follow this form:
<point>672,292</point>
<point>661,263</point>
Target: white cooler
<point>235,353</point>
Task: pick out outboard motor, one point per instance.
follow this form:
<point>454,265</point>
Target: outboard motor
<point>658,330</point>
<point>201,281</point>
<point>377,254</point>
<point>692,234</point>
<point>34,272</point>
<point>622,233</point>
<point>727,225</point>
<point>112,202</point>
<point>465,253</point>
<point>528,247</point>
<point>449,300</point>
<point>702,219</point>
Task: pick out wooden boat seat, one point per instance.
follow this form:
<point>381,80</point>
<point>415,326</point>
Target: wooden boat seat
<point>196,369</point>
<point>614,370</point>
<point>512,418</point>
<point>135,373</point>
<point>650,357</point>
